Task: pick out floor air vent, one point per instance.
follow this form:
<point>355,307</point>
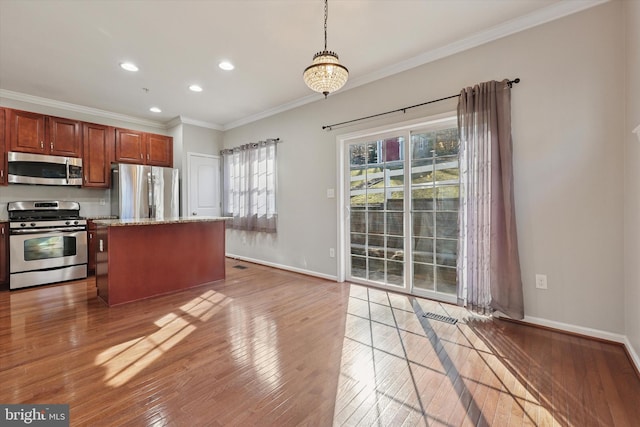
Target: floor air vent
<point>240,267</point>
<point>440,317</point>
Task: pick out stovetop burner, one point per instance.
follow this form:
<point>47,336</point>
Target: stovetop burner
<point>43,210</point>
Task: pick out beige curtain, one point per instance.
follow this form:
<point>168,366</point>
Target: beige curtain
<point>249,186</point>
<point>488,261</point>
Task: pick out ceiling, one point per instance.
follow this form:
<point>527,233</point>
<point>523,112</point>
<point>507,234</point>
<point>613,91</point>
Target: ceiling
<point>70,51</point>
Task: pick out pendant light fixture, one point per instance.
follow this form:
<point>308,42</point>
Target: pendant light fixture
<point>325,74</point>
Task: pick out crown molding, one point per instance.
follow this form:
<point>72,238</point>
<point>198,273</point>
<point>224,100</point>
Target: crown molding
<point>174,122</point>
<point>533,19</point>
<point>46,102</point>
<point>200,123</point>
<point>273,111</point>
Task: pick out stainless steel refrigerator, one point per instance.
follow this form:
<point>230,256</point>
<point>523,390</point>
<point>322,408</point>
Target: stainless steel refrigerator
<point>139,191</point>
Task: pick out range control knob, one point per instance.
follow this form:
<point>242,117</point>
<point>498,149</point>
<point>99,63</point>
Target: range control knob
<point>76,222</point>
<point>22,224</point>
<point>67,222</point>
<point>33,224</point>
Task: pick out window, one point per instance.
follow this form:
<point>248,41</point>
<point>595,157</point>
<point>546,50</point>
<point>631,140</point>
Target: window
<point>249,186</point>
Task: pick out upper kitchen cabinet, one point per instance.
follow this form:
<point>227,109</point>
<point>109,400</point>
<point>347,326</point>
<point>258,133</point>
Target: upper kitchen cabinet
<point>143,148</point>
<point>97,155</point>
<point>159,150</point>
<point>40,134</point>
<point>3,146</point>
<point>130,147</point>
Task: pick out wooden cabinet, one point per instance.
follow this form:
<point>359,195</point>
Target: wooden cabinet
<point>130,146</point>
<point>143,148</point>
<point>97,155</point>
<point>98,145</point>
<point>40,134</point>
<point>3,146</point>
<point>4,254</point>
<point>159,150</point>
<point>64,137</point>
<point>92,246</point>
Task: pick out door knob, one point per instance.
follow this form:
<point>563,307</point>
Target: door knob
<point>194,213</point>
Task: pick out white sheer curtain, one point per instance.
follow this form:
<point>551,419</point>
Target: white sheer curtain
<point>249,186</point>
<point>488,260</point>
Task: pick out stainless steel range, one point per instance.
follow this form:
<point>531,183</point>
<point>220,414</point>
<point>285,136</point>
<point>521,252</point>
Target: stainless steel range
<point>47,243</point>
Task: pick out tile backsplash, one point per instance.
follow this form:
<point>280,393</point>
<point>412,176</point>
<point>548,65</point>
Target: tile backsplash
<point>91,200</point>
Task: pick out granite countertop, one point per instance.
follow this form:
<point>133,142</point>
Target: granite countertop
<point>155,221</point>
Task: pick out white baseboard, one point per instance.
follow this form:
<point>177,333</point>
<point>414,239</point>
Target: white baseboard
<point>283,267</point>
<point>595,333</point>
<point>632,353</point>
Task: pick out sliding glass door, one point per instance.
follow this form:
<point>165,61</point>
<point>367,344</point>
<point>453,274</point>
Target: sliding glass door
<point>402,193</point>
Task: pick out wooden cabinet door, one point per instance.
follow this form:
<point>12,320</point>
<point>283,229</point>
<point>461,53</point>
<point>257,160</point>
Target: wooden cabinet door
<point>3,146</point>
<point>97,155</point>
<point>4,250</point>
<point>92,246</point>
<point>159,150</point>
<point>64,137</point>
<point>26,132</point>
<point>130,146</point>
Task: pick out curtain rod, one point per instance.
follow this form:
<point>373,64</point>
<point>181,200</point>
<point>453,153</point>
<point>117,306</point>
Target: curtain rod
<point>251,144</point>
<point>404,110</point>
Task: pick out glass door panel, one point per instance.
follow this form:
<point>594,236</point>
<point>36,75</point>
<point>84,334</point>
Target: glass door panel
<point>376,201</point>
<point>435,193</point>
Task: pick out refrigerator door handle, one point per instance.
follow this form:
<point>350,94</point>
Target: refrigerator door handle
<point>152,213</point>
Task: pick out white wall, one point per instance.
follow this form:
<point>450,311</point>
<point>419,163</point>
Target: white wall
<point>567,128</point>
<point>632,177</point>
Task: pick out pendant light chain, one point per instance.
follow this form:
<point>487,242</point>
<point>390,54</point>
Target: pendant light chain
<point>326,13</point>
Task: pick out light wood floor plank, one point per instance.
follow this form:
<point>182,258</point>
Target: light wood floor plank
<point>274,348</point>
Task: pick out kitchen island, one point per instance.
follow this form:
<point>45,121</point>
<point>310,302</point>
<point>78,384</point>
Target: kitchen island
<point>143,258</point>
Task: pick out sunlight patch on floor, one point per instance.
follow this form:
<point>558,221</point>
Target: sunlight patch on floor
<point>398,369</point>
<point>125,360</point>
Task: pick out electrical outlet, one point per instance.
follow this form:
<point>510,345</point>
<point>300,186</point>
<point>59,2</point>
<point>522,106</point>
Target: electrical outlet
<point>103,202</point>
<point>541,281</point>
<point>332,253</point>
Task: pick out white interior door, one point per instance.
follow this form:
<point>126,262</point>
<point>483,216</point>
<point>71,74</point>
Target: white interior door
<point>203,193</point>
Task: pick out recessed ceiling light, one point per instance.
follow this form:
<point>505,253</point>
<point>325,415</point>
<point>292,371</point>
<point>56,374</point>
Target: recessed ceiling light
<point>155,110</point>
<point>225,65</point>
<point>195,88</point>
<point>128,66</point>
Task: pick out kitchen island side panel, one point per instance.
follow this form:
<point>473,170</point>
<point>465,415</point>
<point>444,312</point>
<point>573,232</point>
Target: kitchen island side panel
<point>148,260</point>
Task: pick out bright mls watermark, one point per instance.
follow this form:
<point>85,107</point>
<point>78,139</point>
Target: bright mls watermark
<point>34,415</point>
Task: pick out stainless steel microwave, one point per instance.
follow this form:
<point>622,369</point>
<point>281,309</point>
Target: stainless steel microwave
<point>25,168</point>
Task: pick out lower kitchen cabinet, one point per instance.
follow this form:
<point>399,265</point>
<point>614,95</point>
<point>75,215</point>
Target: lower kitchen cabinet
<point>91,247</point>
<point>4,255</point>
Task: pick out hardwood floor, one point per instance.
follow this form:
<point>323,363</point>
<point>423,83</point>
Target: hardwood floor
<point>274,348</point>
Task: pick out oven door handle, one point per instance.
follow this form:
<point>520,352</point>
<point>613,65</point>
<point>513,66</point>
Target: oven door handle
<point>42,231</point>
